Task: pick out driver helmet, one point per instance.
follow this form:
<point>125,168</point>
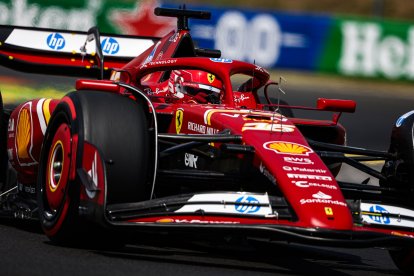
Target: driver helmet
<point>197,84</point>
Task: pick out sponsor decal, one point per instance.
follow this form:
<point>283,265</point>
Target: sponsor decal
<point>10,127</point>
<point>306,184</point>
<point>110,46</point>
<point>261,33</point>
<point>239,99</point>
<point>55,41</point>
<point>80,16</point>
<point>196,127</point>
<point>309,176</point>
<point>157,91</point>
<point>179,116</point>
<point>306,170</point>
<point>328,211</point>
<point>210,78</point>
<point>23,133</point>
<point>378,214</point>
<point>201,128</point>
<point>190,160</point>
<point>168,220</point>
<point>158,62</point>
<point>321,195</point>
<point>229,203</point>
<point>268,127</point>
<point>283,147</point>
<point>298,160</point>
<point>221,60</point>
<point>370,49</point>
<point>266,173</point>
<point>322,201</point>
<point>400,120</point>
<point>204,221</point>
<point>387,215</point>
<point>211,130</point>
<point>260,69</point>
<point>244,208</point>
<point>162,62</point>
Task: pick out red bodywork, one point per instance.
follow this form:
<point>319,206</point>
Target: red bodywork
<point>282,153</point>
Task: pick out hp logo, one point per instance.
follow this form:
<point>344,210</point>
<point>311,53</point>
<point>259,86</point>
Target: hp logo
<point>55,41</point>
<point>221,60</point>
<point>110,46</point>
<point>383,219</point>
<point>244,208</point>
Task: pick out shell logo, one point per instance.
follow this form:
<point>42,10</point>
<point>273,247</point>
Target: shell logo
<point>283,147</point>
<point>23,134</point>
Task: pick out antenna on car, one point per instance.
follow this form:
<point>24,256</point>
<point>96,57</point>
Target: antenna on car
<point>280,89</point>
<point>182,15</point>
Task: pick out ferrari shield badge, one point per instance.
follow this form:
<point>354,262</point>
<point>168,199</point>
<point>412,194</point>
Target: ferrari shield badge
<point>179,115</point>
<point>211,78</point>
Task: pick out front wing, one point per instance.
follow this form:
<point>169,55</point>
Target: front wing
<point>261,216</point>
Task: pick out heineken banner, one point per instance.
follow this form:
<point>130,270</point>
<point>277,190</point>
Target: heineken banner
<point>369,49</point>
<point>347,46</point>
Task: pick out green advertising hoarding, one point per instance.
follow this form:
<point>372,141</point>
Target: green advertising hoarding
<point>73,14</point>
<point>347,46</point>
<point>362,48</point>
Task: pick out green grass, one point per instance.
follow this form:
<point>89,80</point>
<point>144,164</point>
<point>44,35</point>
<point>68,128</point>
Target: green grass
<point>13,94</point>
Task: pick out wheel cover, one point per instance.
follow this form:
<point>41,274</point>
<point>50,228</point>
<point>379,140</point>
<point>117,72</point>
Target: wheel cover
<point>57,169</point>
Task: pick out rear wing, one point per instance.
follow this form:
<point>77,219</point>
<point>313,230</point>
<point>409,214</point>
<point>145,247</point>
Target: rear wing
<point>69,53</point>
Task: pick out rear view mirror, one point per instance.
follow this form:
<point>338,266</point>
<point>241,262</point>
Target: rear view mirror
<point>336,105</point>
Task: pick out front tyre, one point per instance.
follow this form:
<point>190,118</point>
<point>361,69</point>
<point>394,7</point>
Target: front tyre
<point>399,173</point>
<point>400,170</point>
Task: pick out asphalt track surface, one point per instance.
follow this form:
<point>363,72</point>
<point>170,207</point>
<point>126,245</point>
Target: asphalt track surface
<point>24,250</point>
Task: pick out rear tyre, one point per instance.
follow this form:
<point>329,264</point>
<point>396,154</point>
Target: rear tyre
<point>3,144</point>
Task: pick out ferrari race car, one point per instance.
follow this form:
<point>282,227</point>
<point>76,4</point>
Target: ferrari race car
<point>170,138</point>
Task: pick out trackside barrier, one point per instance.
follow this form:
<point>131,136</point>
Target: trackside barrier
<point>321,43</point>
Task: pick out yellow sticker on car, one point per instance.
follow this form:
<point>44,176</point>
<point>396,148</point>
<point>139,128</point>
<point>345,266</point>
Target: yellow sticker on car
<point>179,116</point>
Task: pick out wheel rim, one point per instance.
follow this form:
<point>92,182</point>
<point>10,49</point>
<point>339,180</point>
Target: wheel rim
<point>57,169</point>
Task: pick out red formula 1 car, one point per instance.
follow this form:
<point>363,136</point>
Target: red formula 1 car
<point>181,140</point>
